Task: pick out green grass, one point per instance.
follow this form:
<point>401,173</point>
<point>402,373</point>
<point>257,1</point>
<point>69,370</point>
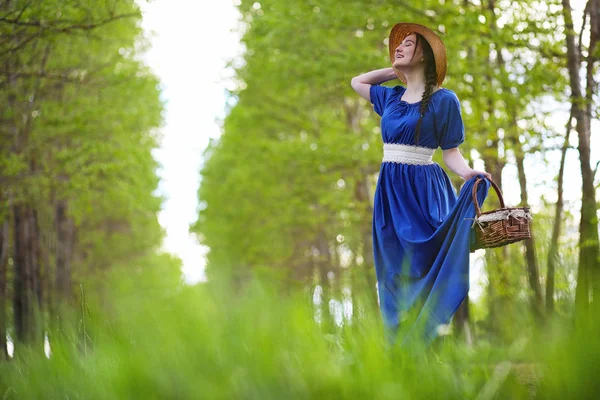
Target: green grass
<point>210,342</point>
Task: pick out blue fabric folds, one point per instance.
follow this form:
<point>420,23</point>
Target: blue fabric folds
<point>421,228</point>
<point>442,124</point>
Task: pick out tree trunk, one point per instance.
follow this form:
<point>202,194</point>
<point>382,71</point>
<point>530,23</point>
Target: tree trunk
<point>553,249</point>
<point>532,263</point>
<point>22,293</point>
<point>498,301</point>
<point>461,321</point>
<point>36,261</point>
<point>26,275</point>
<point>530,255</point>
<point>363,200</point>
<point>588,227</point>
<point>323,263</point>
<point>368,266</point>
<point>593,8</point>
<point>64,244</point>
<point>3,275</point>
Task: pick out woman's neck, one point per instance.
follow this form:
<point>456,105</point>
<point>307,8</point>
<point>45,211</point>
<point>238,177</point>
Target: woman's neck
<point>415,82</point>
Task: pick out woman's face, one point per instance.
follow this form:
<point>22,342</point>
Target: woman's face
<point>408,53</point>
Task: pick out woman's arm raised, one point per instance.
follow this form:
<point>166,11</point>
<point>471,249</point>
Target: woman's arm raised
<point>362,83</point>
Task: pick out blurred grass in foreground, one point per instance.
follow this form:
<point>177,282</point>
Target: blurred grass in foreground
<point>215,342</point>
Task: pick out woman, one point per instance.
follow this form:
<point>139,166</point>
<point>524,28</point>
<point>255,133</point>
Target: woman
<point>421,231</point>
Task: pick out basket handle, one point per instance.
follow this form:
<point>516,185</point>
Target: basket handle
<point>474,194</point>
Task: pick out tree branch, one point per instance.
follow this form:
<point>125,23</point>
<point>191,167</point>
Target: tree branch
<point>586,12</point>
<point>48,27</point>
<point>55,25</point>
<point>40,74</point>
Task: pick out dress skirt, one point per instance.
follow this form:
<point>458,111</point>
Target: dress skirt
<point>422,235</point>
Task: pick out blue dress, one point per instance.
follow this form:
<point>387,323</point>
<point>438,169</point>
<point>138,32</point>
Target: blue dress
<point>421,229</point>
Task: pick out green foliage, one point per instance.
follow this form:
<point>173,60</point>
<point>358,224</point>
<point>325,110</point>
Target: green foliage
<point>290,181</point>
<point>79,128</point>
<point>214,341</point>
<point>89,135</point>
<point>285,191</point>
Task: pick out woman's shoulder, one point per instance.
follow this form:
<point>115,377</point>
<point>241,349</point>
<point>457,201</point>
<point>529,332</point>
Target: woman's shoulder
<point>393,92</point>
<point>444,96</point>
<point>446,93</point>
<point>398,89</point>
<point>388,91</point>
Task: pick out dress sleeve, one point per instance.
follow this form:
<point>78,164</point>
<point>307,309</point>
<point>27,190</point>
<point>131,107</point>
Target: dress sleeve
<point>452,129</point>
<point>379,97</point>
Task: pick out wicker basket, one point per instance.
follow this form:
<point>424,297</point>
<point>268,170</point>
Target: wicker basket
<point>501,226</point>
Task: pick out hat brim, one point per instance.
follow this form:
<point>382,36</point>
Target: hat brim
<point>401,30</point>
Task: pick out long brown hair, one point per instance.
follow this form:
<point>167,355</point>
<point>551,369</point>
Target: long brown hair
<point>430,81</point>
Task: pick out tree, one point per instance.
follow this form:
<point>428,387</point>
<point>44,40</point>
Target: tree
<point>78,177</point>
<point>583,110</point>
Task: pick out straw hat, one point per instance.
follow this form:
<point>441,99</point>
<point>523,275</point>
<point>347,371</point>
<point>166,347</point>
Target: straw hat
<point>401,30</point>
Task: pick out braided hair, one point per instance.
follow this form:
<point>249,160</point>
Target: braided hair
<point>430,81</point>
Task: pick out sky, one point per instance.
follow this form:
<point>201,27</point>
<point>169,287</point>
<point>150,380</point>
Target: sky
<point>191,41</point>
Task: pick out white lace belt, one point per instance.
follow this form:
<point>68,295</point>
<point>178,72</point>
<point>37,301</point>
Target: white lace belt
<point>404,154</point>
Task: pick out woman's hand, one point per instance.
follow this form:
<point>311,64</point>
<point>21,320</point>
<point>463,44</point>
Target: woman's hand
<point>471,173</point>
